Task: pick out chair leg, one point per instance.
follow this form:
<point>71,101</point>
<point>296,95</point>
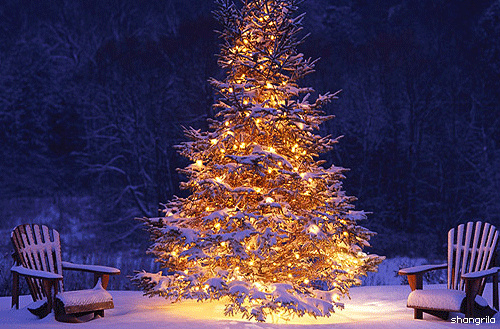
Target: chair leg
<point>416,281</point>
<point>471,290</point>
<point>50,289</point>
<point>495,291</point>
<point>104,279</point>
<point>418,314</point>
<point>15,290</point>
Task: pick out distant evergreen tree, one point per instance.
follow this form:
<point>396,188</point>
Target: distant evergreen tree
<point>265,222</point>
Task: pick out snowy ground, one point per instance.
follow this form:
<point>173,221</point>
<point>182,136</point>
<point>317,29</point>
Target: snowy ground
<point>374,307</point>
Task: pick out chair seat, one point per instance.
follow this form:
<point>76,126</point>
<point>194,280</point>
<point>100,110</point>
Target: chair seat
<point>436,299</point>
<point>85,300</point>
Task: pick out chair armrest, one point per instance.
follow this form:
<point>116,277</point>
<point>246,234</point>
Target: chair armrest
<point>473,287</point>
<point>480,274</point>
<point>98,269</point>
<point>36,273</point>
<point>421,269</point>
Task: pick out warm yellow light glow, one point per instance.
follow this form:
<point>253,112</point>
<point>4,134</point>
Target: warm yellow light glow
<point>297,256</point>
<point>306,281</point>
<point>217,226</point>
<point>174,253</point>
<point>242,145</point>
<point>223,244</point>
<point>272,37</point>
<point>290,275</point>
<point>269,199</point>
<point>302,175</point>
<point>222,151</point>
<point>289,264</point>
<point>226,123</point>
<point>186,272</point>
<point>272,149</point>
<point>346,234</point>
<point>310,180</point>
<point>230,89</point>
<point>213,141</point>
<point>218,179</point>
<point>269,85</point>
<point>314,229</point>
<point>245,102</point>
<point>251,263</point>
<point>199,163</point>
<point>257,189</point>
<point>269,170</point>
<point>257,121</point>
<point>245,41</point>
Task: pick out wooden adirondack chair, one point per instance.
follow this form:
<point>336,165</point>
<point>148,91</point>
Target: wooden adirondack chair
<point>471,254</point>
<point>37,254</point>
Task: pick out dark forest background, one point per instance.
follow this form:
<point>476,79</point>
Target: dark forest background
<point>94,94</point>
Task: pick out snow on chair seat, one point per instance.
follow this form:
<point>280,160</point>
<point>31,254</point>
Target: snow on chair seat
<point>85,300</point>
<point>437,299</point>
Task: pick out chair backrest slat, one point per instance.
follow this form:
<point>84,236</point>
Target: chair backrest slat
<point>481,247</point>
<point>31,254</point>
<point>457,259</point>
<point>40,250</point>
<point>37,250</point>
<point>470,249</point>
<point>488,248</point>
<point>475,245</point>
<point>57,253</point>
<point>451,237</point>
<point>466,251</point>
<point>48,250</point>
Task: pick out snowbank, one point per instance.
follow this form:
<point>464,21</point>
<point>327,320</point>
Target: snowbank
<point>376,307</point>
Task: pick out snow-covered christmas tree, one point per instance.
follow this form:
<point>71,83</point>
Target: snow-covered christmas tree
<point>265,225</point>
